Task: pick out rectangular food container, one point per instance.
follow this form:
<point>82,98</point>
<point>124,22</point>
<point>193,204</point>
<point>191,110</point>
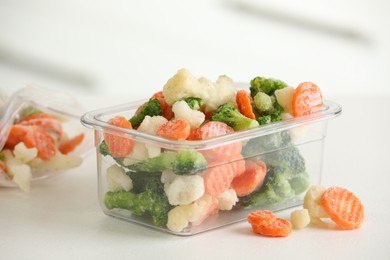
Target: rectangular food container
<point>291,150</point>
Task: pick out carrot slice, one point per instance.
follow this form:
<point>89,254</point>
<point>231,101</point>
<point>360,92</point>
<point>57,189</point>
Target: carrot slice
<point>343,207</point>
<point>15,135</point>
<point>218,179</point>
<point>178,129</point>
<point>51,125</point>
<point>261,217</point>
<point>119,145</point>
<point>278,228</point>
<point>71,144</point>
<point>244,103</point>
<point>307,98</point>
<point>37,137</point>
<point>213,129</point>
<point>253,176</point>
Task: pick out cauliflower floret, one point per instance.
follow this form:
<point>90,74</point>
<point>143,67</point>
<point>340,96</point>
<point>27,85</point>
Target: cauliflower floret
<point>139,153</point>
<point>150,124</point>
<point>227,200</point>
<point>182,190</point>
<point>300,218</point>
<point>183,111</point>
<point>117,180</point>
<point>22,176</point>
<point>23,153</point>
<point>183,84</point>
<point>194,213</point>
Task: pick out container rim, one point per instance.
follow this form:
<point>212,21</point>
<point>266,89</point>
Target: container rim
<point>92,120</point>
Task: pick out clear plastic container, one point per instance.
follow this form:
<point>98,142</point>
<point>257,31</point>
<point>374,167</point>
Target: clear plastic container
<point>59,105</point>
<point>292,150</point>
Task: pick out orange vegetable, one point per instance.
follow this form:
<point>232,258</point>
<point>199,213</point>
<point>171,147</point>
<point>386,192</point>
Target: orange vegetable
<point>118,145</point>
<point>71,144</point>
<point>177,129</point>
<point>218,179</point>
<point>244,103</point>
<point>307,99</point>
<point>261,217</point>
<point>166,108</point>
<point>343,207</point>
<point>51,125</point>
<point>278,228</point>
<point>253,176</point>
<point>15,135</point>
<point>37,137</point>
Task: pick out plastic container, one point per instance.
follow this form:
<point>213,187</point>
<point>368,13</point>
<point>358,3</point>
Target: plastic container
<point>61,106</point>
<point>295,139</point>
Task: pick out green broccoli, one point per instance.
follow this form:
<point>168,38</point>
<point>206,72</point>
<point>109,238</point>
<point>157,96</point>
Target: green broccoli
<point>194,103</point>
<point>151,201</point>
<point>267,143</point>
<point>182,162</point>
<point>286,175</point>
<point>151,108</point>
<point>263,102</point>
<point>267,108</point>
<point>267,86</point>
<point>2,156</point>
<point>230,115</point>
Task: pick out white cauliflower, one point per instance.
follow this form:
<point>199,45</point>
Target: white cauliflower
<point>138,154</point>
<point>181,216</point>
<point>24,154</point>
<point>182,190</point>
<point>227,200</point>
<point>19,172</point>
<point>284,97</point>
<point>183,84</point>
<point>58,162</point>
<point>183,111</point>
<point>117,180</point>
<point>149,125</point>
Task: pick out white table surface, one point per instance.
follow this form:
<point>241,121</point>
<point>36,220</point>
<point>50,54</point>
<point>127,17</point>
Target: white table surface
<point>61,218</point>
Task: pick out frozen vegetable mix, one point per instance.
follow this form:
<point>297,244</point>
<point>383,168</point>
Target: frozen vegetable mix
<point>177,180</point>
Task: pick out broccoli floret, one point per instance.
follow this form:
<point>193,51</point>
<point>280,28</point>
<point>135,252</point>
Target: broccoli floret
<point>267,108</point>
<point>151,108</point>
<point>152,201</point>
<point>267,143</point>
<point>2,156</point>
<point>263,102</point>
<point>267,86</point>
<point>103,148</point>
<point>230,115</point>
<point>286,176</point>
<point>183,162</point>
<point>194,103</point>
<point>188,162</point>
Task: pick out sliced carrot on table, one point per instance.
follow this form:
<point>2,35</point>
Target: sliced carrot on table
<point>307,98</point>
<point>343,207</point>
<point>218,179</point>
<point>261,217</point>
<point>177,129</point>
<point>253,176</point>
<point>278,228</point>
<point>119,145</point>
<point>244,103</point>
<point>71,144</point>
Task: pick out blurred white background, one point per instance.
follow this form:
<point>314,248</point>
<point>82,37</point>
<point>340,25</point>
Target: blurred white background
<point>130,48</point>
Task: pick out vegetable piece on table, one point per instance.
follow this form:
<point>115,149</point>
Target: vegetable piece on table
<point>343,207</point>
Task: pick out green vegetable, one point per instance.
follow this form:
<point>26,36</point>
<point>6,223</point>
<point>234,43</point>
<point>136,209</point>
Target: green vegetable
<point>194,103</point>
<point>29,111</point>
<point>286,175</point>
<point>2,156</point>
<point>182,162</point>
<point>267,86</point>
<point>230,115</point>
<point>267,108</point>
<point>263,103</point>
<point>151,108</point>
<point>152,201</point>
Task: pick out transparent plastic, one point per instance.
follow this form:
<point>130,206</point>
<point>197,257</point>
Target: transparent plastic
<point>61,105</point>
<point>304,135</point>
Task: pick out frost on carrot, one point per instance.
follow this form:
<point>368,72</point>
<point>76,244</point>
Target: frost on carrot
<point>177,129</point>
<point>119,145</point>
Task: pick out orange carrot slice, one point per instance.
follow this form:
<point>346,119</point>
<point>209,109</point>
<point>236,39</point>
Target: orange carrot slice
<point>253,176</point>
<point>177,129</point>
<point>15,135</point>
<point>261,217</point>
<point>244,103</point>
<point>37,137</point>
<point>51,125</point>
<point>119,145</point>
<point>278,228</point>
<point>307,98</point>
<point>343,207</point>
<point>71,144</point>
<point>218,179</point>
